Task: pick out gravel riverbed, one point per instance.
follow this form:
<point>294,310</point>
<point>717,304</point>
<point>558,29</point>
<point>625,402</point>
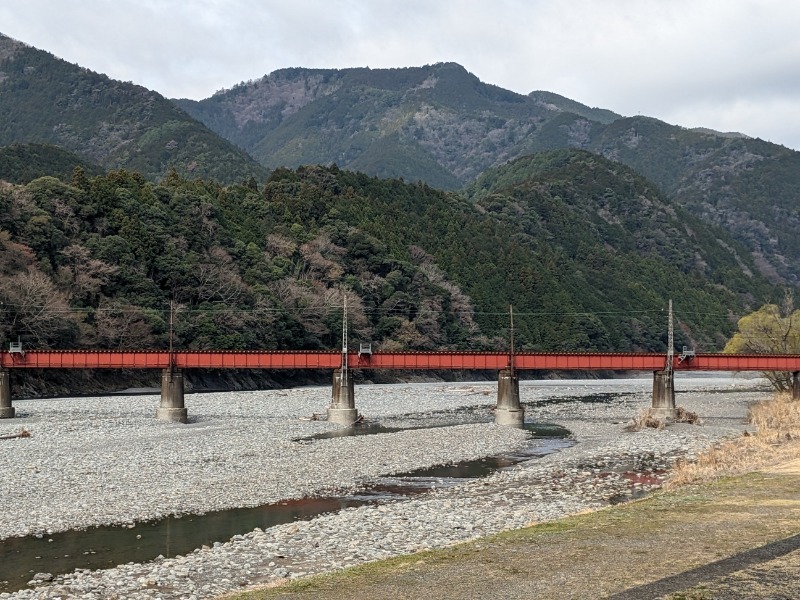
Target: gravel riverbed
<point>98,461</point>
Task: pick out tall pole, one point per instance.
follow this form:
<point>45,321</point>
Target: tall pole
<point>343,409</point>
<point>344,339</point>
<point>670,341</point>
<point>511,356</point>
<point>171,335</point>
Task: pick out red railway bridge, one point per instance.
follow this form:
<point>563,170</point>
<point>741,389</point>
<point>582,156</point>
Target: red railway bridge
<point>342,409</point>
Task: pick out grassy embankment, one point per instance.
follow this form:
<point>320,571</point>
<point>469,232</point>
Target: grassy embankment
<point>777,440</point>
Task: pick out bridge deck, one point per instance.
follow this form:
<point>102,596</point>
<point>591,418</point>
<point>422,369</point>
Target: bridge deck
<point>157,359</point>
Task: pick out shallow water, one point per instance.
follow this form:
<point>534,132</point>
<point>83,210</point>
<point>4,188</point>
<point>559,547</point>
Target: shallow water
<point>104,547</point>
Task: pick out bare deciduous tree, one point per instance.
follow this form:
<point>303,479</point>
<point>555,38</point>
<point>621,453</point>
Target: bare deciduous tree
<point>278,245</point>
<point>121,326</point>
<point>83,275</point>
<point>34,309</point>
<point>218,279</point>
<point>318,254</point>
<point>14,257</point>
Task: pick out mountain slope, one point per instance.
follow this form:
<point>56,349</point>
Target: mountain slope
<point>562,104</point>
<point>748,186</point>
<point>619,245</point>
<point>441,125</point>
<point>46,100</point>
<point>446,124</point>
<point>22,163</point>
<point>586,251</point>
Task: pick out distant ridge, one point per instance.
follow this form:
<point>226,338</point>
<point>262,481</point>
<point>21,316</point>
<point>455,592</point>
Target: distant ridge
<point>560,103</point>
<point>46,100</point>
<point>725,134</point>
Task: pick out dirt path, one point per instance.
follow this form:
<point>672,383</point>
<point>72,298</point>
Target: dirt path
<point>735,538</point>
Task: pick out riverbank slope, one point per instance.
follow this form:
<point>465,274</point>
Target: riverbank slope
<point>737,537</point>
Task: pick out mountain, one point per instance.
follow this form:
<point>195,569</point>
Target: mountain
<point>45,100</point>
<point>748,186</point>
<point>615,248</point>
<point>437,123</point>
<point>441,125</point>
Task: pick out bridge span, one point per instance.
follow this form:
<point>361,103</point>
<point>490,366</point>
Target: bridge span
<point>342,410</point>
<point>439,360</point>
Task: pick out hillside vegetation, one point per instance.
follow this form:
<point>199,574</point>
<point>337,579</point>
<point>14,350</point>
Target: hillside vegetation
<point>439,124</point>
<point>586,251</point>
<point>748,186</point>
<point>45,100</point>
<point>22,163</point>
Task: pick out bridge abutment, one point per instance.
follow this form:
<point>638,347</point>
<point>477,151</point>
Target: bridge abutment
<point>508,410</point>
<point>172,408</point>
<point>343,400</point>
<point>6,409</point>
<point>664,394</point>
<point>795,385</point>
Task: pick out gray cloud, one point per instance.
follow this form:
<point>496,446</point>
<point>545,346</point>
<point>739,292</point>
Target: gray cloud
<point>724,64</point>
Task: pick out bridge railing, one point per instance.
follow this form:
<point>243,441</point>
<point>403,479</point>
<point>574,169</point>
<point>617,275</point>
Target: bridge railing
<point>444,360</point>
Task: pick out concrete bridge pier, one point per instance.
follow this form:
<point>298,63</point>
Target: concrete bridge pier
<point>6,410</point>
<point>664,395</point>
<point>171,407</point>
<point>508,410</point>
<point>343,401</point>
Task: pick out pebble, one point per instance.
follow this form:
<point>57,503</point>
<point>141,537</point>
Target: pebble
<point>108,461</point>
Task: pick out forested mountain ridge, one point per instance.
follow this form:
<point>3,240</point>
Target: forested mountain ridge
<point>587,251</point>
<point>45,100</point>
<point>748,186</point>
<point>441,125</point>
<point>437,123</point>
<point>617,241</point>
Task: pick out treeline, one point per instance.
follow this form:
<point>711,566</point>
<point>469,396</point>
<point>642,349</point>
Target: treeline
<point>588,256</point>
<point>97,262</point>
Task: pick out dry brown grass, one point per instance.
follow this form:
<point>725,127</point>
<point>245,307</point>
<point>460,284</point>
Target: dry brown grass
<point>686,416</point>
<point>644,419</point>
<point>777,440</point>
<point>647,418</point>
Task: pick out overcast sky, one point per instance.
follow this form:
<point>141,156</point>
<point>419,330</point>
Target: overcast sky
<point>731,65</point>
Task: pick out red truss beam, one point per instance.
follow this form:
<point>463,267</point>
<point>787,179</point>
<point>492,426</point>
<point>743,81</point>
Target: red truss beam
<point>158,359</point>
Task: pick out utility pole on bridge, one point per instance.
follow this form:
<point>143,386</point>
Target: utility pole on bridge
<point>172,407</point>
<point>508,410</point>
<point>664,381</point>
<point>343,403</point>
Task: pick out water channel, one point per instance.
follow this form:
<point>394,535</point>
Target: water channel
<point>106,547</point>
